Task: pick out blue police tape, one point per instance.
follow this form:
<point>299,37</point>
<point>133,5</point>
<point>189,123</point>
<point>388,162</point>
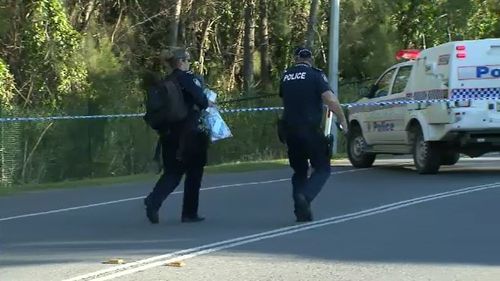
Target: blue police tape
<point>242,110</point>
<point>57,118</point>
<point>110,116</point>
<point>253,109</point>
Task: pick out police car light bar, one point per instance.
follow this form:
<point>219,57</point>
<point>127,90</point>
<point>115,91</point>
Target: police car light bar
<point>408,54</point>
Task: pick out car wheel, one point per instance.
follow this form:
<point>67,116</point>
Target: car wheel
<point>426,154</point>
<point>356,150</point>
<point>449,157</point>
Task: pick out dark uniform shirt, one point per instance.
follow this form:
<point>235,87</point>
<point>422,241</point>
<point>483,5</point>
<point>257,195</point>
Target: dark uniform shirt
<point>192,88</point>
<point>301,88</point>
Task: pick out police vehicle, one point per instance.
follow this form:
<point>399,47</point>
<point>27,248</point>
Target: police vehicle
<point>444,101</point>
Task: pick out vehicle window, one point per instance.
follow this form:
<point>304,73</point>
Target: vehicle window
<point>384,84</point>
<point>401,79</point>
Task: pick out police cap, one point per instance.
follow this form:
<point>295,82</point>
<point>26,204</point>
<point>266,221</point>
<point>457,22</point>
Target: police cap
<point>303,53</point>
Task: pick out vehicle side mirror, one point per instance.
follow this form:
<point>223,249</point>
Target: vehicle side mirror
<point>367,92</point>
<point>364,92</point>
<point>373,90</point>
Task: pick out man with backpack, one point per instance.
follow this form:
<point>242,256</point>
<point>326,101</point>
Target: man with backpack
<point>173,109</point>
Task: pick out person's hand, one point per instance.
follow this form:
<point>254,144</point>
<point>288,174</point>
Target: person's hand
<point>345,127</point>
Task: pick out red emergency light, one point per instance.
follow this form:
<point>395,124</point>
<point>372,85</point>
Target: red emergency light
<point>461,52</point>
<point>408,54</point>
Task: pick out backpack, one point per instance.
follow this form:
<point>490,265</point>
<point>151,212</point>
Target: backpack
<point>165,104</point>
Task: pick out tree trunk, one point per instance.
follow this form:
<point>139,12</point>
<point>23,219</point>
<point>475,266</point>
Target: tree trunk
<point>311,24</point>
<point>73,11</point>
<point>173,30</point>
<point>11,47</point>
<point>185,22</point>
<point>265,62</point>
<point>203,44</point>
<point>248,46</point>
<point>91,7</point>
<point>117,25</point>
<point>236,60</point>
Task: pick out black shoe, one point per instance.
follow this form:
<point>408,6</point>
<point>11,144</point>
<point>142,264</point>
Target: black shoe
<point>152,215</point>
<point>302,218</point>
<point>192,219</point>
<point>302,209</point>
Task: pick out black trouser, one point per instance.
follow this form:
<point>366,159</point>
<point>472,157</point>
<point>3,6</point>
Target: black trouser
<point>304,145</point>
<point>192,165</point>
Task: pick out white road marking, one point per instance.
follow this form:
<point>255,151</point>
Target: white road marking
<point>142,197</point>
<point>141,265</point>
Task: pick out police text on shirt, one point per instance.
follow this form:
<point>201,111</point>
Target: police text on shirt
<point>295,76</point>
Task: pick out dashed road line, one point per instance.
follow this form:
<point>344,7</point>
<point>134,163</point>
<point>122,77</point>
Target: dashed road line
<point>145,264</point>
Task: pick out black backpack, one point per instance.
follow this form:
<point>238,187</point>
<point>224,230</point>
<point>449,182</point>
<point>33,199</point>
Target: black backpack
<point>165,103</point>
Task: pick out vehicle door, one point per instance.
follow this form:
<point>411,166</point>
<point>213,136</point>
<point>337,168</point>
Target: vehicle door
<point>395,114</point>
<point>376,115</point>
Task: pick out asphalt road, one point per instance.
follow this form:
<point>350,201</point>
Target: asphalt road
<point>383,223</point>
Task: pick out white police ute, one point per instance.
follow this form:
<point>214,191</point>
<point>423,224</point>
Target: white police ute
<point>442,102</point>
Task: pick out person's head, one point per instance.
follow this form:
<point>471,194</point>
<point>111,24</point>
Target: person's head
<point>303,55</point>
<point>177,58</point>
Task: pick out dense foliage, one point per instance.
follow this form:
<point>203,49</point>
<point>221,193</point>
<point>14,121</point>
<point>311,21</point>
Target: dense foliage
<point>91,57</point>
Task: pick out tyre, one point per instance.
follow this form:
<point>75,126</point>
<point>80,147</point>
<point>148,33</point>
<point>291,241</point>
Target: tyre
<point>356,150</point>
<point>426,155</point>
<point>449,157</point>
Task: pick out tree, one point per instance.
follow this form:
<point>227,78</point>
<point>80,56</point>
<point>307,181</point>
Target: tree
<point>6,87</point>
<point>249,45</point>
<point>90,57</point>
<point>311,24</point>
<point>483,21</point>
<point>174,25</point>
<point>9,133</point>
<point>50,59</point>
<point>265,61</point>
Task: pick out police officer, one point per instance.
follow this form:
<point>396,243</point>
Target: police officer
<point>184,145</point>
<point>304,90</point>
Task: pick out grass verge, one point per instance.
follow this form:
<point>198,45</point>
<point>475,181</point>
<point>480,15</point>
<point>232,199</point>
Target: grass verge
<point>237,167</point>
